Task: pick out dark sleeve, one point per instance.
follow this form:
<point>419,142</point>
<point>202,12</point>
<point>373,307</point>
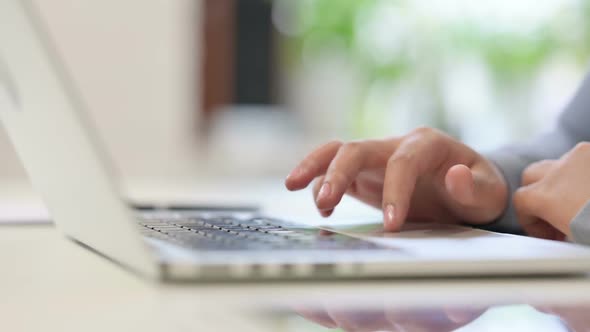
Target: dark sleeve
<point>573,126</point>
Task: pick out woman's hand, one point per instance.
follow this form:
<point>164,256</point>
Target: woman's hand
<point>553,192</point>
<point>425,175</point>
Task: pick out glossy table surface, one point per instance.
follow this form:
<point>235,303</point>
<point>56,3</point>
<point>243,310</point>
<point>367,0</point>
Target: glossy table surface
<point>50,283</point>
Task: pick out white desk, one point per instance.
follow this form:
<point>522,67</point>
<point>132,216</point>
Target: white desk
<point>51,284</point>
<point>48,283</point>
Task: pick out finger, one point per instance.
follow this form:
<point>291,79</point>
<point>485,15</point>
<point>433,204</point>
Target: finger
<point>536,171</point>
<point>527,212</point>
<point>367,191</point>
<point>524,205</point>
<point>311,166</point>
<point>403,168</point>
<point>460,184</point>
<point>478,193</point>
<point>316,188</point>
<point>341,173</point>
<point>539,228</point>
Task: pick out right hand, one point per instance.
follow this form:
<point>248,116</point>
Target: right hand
<point>425,175</point>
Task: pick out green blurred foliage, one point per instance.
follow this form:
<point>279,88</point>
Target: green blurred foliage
<point>510,56</point>
<point>335,20</point>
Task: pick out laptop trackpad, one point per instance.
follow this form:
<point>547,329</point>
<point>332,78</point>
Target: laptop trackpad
<point>443,241</point>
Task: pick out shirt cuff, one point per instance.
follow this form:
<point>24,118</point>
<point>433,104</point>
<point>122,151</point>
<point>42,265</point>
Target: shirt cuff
<point>580,226</point>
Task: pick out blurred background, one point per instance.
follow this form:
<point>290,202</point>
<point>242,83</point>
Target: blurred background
<point>488,73</point>
<point>205,88</point>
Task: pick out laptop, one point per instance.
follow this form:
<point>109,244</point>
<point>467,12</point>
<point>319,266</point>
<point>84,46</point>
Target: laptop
<point>47,122</point>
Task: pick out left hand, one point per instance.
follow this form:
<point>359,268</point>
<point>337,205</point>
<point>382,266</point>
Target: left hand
<point>553,192</point>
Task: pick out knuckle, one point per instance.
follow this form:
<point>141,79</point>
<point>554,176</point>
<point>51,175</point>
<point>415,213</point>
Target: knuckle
<point>582,147</point>
<point>400,158</point>
<point>519,197</point>
<point>533,165</point>
<point>352,147</point>
<point>339,177</point>
<point>336,143</point>
<point>423,130</point>
<point>527,177</point>
<point>427,135</point>
<point>426,132</point>
<point>539,165</point>
<point>525,198</point>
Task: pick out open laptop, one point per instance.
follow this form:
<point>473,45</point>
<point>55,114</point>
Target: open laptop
<point>46,121</point>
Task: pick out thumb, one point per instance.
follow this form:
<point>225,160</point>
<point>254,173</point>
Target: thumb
<point>460,184</point>
<point>478,194</point>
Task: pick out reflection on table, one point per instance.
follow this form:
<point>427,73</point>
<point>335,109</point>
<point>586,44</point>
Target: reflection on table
<point>505,317</point>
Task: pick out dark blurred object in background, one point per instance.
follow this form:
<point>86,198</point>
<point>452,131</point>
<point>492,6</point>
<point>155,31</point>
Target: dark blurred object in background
<point>239,54</point>
<point>255,51</point>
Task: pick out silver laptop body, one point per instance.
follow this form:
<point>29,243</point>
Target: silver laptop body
<point>47,123</point>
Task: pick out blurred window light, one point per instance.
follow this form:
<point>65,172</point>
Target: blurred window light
<point>478,70</point>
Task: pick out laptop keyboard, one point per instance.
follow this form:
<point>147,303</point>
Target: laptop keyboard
<point>229,233</point>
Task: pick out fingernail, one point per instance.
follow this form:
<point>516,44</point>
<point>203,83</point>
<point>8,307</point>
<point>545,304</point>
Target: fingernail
<point>389,214</point>
<point>325,191</point>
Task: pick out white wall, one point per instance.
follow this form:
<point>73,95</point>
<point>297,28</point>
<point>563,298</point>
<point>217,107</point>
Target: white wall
<point>135,64</point>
